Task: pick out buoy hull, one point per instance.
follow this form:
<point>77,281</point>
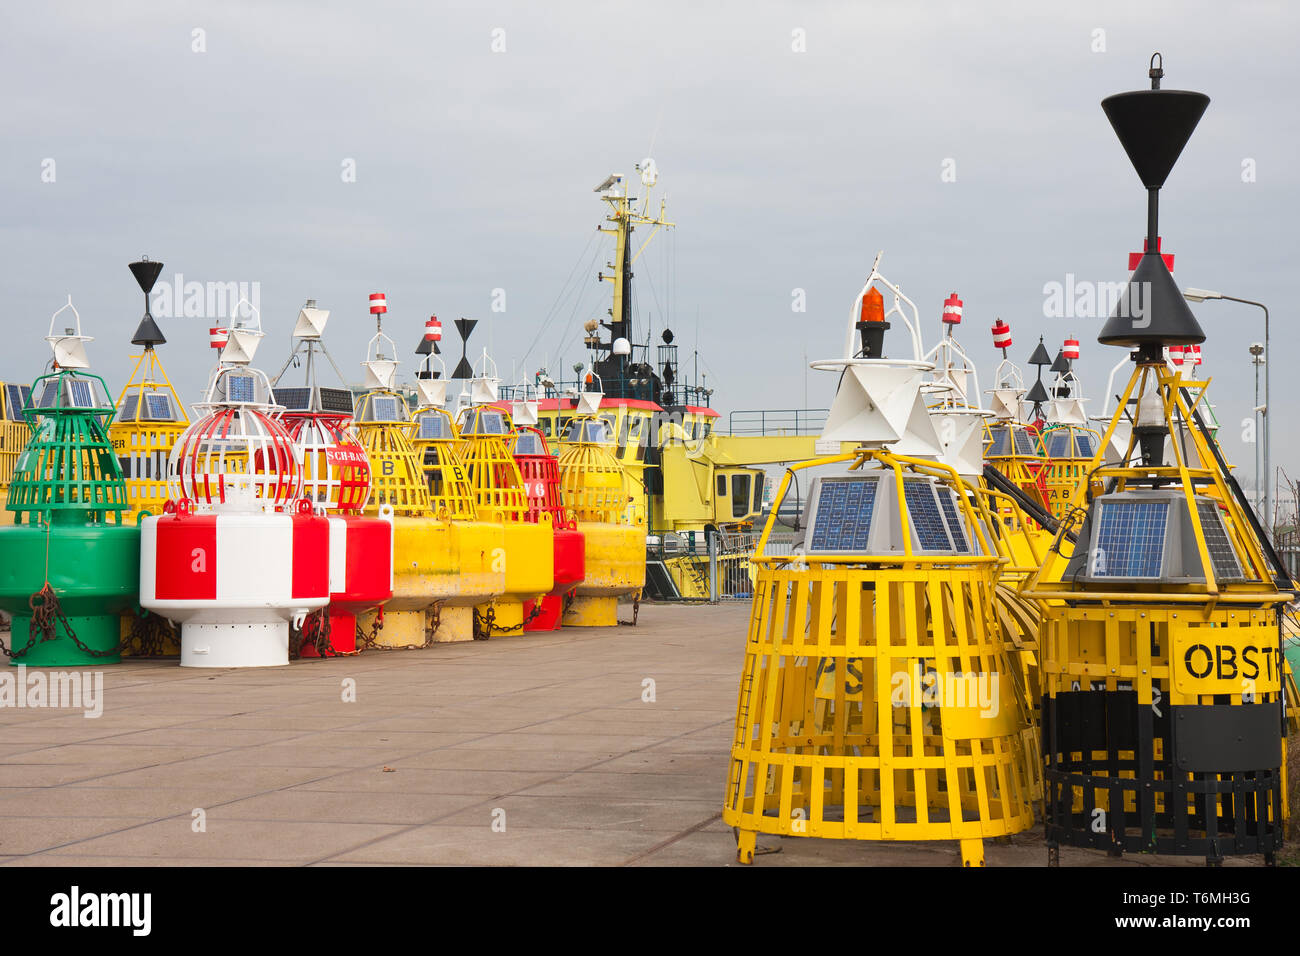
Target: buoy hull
<point>455,564</point>
<point>95,572</point>
<point>234,581</point>
<point>613,567</point>
<point>528,559</point>
<point>570,568</point>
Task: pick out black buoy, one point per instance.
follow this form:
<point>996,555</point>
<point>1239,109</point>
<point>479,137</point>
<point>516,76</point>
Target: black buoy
<point>1153,126</point>
<point>147,332</point>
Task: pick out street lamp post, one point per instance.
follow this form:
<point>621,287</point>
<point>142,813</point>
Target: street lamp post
<point>1257,359</point>
<point>1201,295</point>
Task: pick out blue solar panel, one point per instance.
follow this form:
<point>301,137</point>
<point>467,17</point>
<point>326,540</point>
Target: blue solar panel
<point>1058,443</point>
<point>949,505</point>
<point>924,516</point>
<point>433,426</point>
<point>843,519</point>
<point>82,396</point>
<point>18,396</point>
<point>998,444</point>
<point>1130,539</point>
<point>129,407</point>
<point>383,408</point>
<point>1083,444</point>
<point>239,388</point>
<point>1025,444</point>
<point>1222,556</point>
<point>297,398</point>
<point>159,406</point>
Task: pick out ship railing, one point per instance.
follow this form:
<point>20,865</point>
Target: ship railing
<point>777,421</point>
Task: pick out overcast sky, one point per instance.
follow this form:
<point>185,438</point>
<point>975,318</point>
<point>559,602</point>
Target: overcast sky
<point>225,154</point>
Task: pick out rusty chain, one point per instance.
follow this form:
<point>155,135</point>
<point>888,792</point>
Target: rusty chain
<point>47,615</point>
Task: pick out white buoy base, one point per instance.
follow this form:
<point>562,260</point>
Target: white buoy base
<point>235,645</point>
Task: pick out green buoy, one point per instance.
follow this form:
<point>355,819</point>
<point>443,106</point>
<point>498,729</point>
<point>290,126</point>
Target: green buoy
<point>68,541</point>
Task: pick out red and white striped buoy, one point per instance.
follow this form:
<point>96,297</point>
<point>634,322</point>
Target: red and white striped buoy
<point>378,303</point>
<point>237,553</point>
<point>1071,349</point>
<point>1001,335</point>
<point>217,338</point>
<point>1191,355</point>
<point>1176,355</point>
<point>433,330</point>
<point>952,310</point>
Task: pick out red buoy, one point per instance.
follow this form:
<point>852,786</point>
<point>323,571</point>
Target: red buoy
<point>1071,349</point>
<point>378,303</point>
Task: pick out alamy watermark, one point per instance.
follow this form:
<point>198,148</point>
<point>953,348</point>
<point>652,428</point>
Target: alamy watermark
<point>75,690</point>
<point>1083,299</point>
<point>177,298</point>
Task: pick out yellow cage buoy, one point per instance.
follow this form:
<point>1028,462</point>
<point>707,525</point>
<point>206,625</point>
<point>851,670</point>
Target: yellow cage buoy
<point>439,565</point>
<point>594,490</point>
<point>528,558</point>
<point>879,699</point>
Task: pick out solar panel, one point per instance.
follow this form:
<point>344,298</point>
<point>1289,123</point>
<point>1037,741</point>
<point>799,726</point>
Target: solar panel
<point>1083,445</point>
<point>843,514</point>
<point>338,400</point>
<point>1058,443</point>
<point>383,408</point>
<point>297,399</point>
<point>998,443</point>
<point>433,427</point>
<point>82,396</point>
<point>1130,539</point>
<point>159,407</point>
<point>129,405</point>
<point>239,388</point>
<point>492,423</point>
<point>924,516</point>
<point>18,396</point>
<point>1025,442</point>
<point>1222,556</point>
<point>50,393</point>
<point>948,503</point>
<point>528,444</point>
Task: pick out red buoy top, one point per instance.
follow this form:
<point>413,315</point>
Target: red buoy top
<point>433,330</point>
<point>1001,335</point>
<point>217,337</point>
<point>1191,355</point>
<point>952,310</point>
<point>1176,354</point>
<point>541,475</point>
<point>1071,349</point>
<point>378,303</point>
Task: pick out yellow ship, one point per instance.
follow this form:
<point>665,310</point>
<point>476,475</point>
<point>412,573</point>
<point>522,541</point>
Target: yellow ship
<point>693,488</point>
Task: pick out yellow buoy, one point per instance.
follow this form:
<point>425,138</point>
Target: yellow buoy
<point>438,566</point>
<point>1164,704</point>
<point>878,700</point>
<point>464,538</point>
<point>593,488</point>
<point>14,434</point>
<point>528,558</point>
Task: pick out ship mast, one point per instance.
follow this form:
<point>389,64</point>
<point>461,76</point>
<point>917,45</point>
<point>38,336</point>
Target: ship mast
<point>615,366</point>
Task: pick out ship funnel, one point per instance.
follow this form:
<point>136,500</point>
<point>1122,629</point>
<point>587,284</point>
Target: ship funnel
<point>1153,126</point>
<point>147,332</point>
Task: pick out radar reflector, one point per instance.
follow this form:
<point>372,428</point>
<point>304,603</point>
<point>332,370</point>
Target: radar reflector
<point>433,391</point>
<point>524,413</point>
<point>311,322</point>
<point>70,347</point>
